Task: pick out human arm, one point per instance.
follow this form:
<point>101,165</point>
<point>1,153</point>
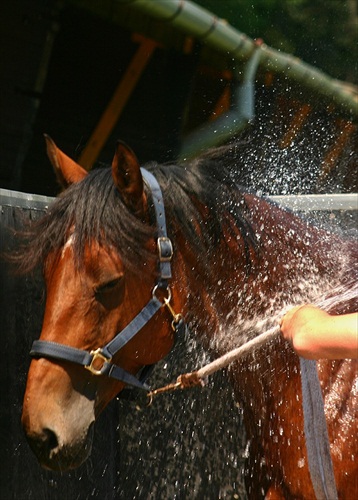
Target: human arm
<point>316,334</point>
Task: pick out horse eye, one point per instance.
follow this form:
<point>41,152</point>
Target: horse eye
<point>108,287</point>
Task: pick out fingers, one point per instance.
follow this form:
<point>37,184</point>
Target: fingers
<point>290,313</point>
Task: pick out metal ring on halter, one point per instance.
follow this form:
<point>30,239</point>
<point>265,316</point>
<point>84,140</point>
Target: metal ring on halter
<point>165,300</point>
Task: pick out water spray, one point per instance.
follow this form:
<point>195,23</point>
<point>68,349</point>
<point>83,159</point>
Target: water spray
<point>198,377</point>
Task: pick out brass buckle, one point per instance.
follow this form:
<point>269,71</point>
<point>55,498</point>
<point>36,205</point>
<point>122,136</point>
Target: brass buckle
<point>97,355</point>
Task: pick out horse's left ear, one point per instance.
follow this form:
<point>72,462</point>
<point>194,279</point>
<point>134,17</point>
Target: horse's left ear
<point>128,178</point>
<point>67,171</point>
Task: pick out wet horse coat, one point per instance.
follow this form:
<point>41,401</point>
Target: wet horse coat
<point>237,259</point>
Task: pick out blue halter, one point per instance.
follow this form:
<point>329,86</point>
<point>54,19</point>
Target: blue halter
<point>98,361</point>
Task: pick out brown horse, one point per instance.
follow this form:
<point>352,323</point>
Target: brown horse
<point>235,259</point>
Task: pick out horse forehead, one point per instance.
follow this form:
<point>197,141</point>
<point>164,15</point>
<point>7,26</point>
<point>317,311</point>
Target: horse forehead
<point>69,243</point>
<point>95,255</point>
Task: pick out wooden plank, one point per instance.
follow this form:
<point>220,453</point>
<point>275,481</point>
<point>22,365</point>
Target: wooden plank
<point>117,103</point>
<point>296,125</point>
<point>345,130</point>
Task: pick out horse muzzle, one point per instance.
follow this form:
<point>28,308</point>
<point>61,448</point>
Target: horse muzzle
<point>56,455</point>
<point>58,427</point>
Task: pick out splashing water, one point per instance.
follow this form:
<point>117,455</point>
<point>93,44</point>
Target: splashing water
<point>186,440</point>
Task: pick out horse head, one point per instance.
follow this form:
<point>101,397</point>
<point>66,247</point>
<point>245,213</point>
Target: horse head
<point>88,301</point>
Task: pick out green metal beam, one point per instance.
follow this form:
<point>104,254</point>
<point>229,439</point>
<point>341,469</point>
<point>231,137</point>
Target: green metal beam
<point>198,22</point>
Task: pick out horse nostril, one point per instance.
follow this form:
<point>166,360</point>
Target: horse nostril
<point>43,443</point>
<point>50,439</point>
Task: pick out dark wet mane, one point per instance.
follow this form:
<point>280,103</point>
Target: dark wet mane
<point>199,197</point>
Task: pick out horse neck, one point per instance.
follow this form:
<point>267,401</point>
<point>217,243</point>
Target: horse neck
<point>291,256</point>
<point>295,258</point>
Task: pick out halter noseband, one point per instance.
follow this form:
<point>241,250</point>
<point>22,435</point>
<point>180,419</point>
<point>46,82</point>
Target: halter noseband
<point>98,361</point>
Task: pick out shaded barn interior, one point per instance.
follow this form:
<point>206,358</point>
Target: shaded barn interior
<point>89,73</point>
<point>62,66</point>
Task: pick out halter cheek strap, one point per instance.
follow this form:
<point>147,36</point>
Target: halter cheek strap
<point>98,361</point>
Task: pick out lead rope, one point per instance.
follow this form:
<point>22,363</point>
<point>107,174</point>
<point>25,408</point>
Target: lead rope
<point>315,426</point>
<point>198,377</point>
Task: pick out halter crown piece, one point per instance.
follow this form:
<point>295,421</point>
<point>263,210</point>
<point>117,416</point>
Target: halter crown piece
<point>98,361</point>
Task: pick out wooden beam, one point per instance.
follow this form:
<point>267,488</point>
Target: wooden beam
<point>117,103</point>
<point>296,125</point>
<point>345,130</point>
<point>223,103</point>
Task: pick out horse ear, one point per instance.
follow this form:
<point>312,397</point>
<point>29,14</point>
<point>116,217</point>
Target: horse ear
<point>67,171</point>
<point>128,178</point>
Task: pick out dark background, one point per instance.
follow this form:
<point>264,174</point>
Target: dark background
<point>59,65</point>
<point>60,62</point>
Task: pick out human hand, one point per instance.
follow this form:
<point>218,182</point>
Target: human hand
<point>304,327</point>
<point>315,334</point>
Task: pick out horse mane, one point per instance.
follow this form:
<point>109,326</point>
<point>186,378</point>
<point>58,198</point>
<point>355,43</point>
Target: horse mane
<point>201,197</point>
